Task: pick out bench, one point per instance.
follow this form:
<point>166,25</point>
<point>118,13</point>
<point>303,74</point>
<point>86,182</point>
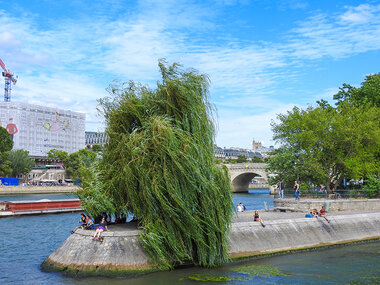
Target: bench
<point>284,209</point>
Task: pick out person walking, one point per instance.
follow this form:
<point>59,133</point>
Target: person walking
<point>296,190</point>
<point>281,189</point>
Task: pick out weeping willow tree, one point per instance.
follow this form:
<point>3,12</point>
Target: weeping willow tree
<point>159,165</point>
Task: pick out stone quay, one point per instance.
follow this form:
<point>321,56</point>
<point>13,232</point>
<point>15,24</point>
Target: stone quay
<point>121,253</point>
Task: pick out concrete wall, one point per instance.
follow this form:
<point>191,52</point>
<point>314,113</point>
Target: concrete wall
<point>122,252</point>
<point>119,251</point>
<point>333,205</point>
<point>250,238</point>
<point>10,190</point>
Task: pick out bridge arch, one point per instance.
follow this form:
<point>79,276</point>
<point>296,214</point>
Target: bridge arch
<point>241,182</point>
<point>241,175</point>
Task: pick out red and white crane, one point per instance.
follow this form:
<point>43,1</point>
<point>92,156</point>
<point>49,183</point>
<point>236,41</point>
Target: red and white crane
<point>8,77</point>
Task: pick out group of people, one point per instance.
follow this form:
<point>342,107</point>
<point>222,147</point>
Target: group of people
<point>316,214</point>
<point>256,216</point>
<point>240,207</point>
<point>86,223</point>
<point>296,189</point>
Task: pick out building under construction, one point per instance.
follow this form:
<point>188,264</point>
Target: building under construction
<point>39,129</point>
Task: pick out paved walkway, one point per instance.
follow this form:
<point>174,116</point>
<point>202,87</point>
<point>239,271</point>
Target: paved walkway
<point>11,190</point>
<point>273,215</point>
<point>247,216</point>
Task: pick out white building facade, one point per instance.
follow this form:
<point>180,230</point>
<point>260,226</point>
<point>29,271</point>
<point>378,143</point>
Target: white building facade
<point>39,129</point>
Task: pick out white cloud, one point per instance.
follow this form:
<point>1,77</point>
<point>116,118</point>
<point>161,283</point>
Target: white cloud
<point>70,64</point>
<point>355,31</point>
<point>361,14</point>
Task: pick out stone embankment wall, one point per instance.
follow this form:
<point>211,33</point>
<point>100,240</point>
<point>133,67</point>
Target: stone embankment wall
<point>250,238</point>
<point>333,205</point>
<point>121,252</point>
<point>11,190</point>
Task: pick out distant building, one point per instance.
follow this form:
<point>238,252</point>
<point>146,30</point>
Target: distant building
<point>234,152</point>
<point>39,129</point>
<point>95,138</point>
<point>258,147</point>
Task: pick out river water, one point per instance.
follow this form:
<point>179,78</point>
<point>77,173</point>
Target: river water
<point>26,241</point>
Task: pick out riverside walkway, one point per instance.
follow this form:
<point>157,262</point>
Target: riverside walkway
<point>121,251</point>
<point>15,190</point>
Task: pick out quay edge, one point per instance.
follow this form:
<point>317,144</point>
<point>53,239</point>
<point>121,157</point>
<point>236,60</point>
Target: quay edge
<point>122,254</point>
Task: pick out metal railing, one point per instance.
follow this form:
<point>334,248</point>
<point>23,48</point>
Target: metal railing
<point>339,194</point>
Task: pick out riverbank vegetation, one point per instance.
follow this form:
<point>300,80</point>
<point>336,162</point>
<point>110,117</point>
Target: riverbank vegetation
<point>12,162</point>
<point>327,144</point>
<point>159,165</point>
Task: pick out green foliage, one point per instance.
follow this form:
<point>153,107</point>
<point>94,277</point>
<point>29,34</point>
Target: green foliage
<point>367,94</point>
<point>97,148</point>
<point>353,194</point>
<point>241,158</point>
<point>77,163</point>
<point>6,142</point>
<point>20,162</point>
<point>372,187</point>
<point>332,142</point>
<point>257,159</point>
<point>6,145</point>
<point>159,165</point>
<point>58,154</point>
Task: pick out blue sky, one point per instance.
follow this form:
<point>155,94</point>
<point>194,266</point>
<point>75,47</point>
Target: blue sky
<point>263,57</point>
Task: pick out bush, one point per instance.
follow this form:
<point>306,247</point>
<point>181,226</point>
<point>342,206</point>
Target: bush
<point>372,187</point>
<point>353,193</point>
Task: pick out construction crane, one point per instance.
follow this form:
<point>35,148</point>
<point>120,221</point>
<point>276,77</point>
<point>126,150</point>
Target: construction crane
<point>8,77</point>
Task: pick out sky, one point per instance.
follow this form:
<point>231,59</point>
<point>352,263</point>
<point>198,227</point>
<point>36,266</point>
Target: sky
<point>263,57</point>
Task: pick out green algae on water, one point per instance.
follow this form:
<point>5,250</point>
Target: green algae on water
<point>260,271</point>
<point>209,278</point>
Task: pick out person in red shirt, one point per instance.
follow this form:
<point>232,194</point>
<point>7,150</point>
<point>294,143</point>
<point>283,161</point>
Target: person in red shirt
<point>322,213</point>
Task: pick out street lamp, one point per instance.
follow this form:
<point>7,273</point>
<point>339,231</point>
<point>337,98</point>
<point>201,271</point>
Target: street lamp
<point>297,162</point>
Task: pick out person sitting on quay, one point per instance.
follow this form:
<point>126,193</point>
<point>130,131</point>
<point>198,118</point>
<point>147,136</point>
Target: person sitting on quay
<point>257,218</point>
<point>102,227</point>
<point>322,213</point>
<point>82,221</point>
<point>89,223</point>
<point>314,213</point>
<point>336,194</point>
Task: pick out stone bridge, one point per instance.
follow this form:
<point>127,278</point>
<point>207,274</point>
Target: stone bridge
<point>242,174</point>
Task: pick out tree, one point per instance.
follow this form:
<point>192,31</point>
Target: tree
<point>257,159</point>
<point>241,158</point>
<point>333,142</point>
<point>368,93</point>
<point>159,165</point>
<point>6,144</point>
<point>76,162</point>
<point>372,187</point>
<point>20,162</point>
<point>97,148</point>
<point>58,154</point>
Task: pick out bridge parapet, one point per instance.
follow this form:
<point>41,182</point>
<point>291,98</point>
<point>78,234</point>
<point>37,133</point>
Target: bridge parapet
<point>243,166</point>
